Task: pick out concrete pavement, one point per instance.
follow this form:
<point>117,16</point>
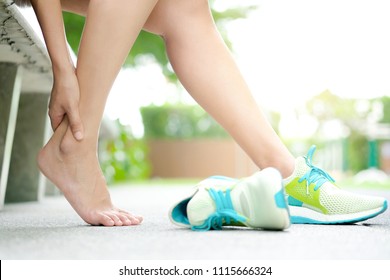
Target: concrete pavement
<point>52,230</point>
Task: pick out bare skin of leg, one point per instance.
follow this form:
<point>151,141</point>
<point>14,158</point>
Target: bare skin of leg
<point>110,31</point>
<point>203,64</point>
<point>206,68</point>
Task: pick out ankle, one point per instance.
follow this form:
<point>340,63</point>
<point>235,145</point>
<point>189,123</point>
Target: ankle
<point>70,146</point>
<point>288,170</point>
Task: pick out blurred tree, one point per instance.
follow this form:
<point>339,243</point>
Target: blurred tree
<point>179,122</point>
<point>326,106</point>
<point>152,45</point>
<point>357,151</point>
<point>353,114</point>
<point>385,100</point>
<point>124,158</point>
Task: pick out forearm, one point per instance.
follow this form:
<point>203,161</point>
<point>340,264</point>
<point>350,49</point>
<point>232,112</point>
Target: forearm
<point>49,14</point>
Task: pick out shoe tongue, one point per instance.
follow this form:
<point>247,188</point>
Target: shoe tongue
<point>301,167</point>
<point>200,207</point>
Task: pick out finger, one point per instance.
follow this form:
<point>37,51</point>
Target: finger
<point>75,123</point>
<point>55,119</point>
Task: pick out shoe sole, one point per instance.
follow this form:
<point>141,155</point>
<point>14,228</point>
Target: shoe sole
<point>303,215</point>
<point>261,199</point>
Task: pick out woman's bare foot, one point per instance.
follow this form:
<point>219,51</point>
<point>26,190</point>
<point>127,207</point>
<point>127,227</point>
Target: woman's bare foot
<point>74,168</point>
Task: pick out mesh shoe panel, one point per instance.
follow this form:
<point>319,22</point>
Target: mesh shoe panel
<point>337,201</point>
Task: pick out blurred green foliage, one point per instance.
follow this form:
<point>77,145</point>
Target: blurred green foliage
<point>179,122</point>
<point>74,25</point>
<point>356,152</point>
<point>385,100</point>
<point>327,107</point>
<point>150,44</point>
<point>124,158</point>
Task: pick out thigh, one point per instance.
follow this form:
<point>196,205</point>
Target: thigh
<point>169,14</point>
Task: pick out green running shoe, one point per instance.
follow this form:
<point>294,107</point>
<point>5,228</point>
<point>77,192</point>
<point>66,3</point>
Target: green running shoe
<point>257,201</point>
<point>314,198</point>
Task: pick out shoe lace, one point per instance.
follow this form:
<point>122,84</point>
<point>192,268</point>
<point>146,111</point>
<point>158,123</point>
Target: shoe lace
<point>224,213</point>
<point>315,175</point>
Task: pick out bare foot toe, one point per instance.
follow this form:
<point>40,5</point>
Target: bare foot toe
<point>102,219</point>
<point>135,220</point>
<point>74,168</point>
<point>115,218</point>
<point>125,220</point>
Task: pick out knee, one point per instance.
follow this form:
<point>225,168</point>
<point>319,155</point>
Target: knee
<point>168,14</point>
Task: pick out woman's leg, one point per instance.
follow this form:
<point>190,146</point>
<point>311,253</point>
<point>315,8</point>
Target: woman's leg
<point>206,68</point>
<point>110,31</point>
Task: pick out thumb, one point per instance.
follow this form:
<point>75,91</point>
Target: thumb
<point>75,124</point>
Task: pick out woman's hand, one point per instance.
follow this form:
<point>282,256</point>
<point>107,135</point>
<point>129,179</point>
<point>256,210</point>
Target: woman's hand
<point>65,95</point>
<point>64,101</point>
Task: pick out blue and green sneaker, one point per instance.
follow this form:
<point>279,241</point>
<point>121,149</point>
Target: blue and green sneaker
<point>314,198</point>
<point>257,201</point>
